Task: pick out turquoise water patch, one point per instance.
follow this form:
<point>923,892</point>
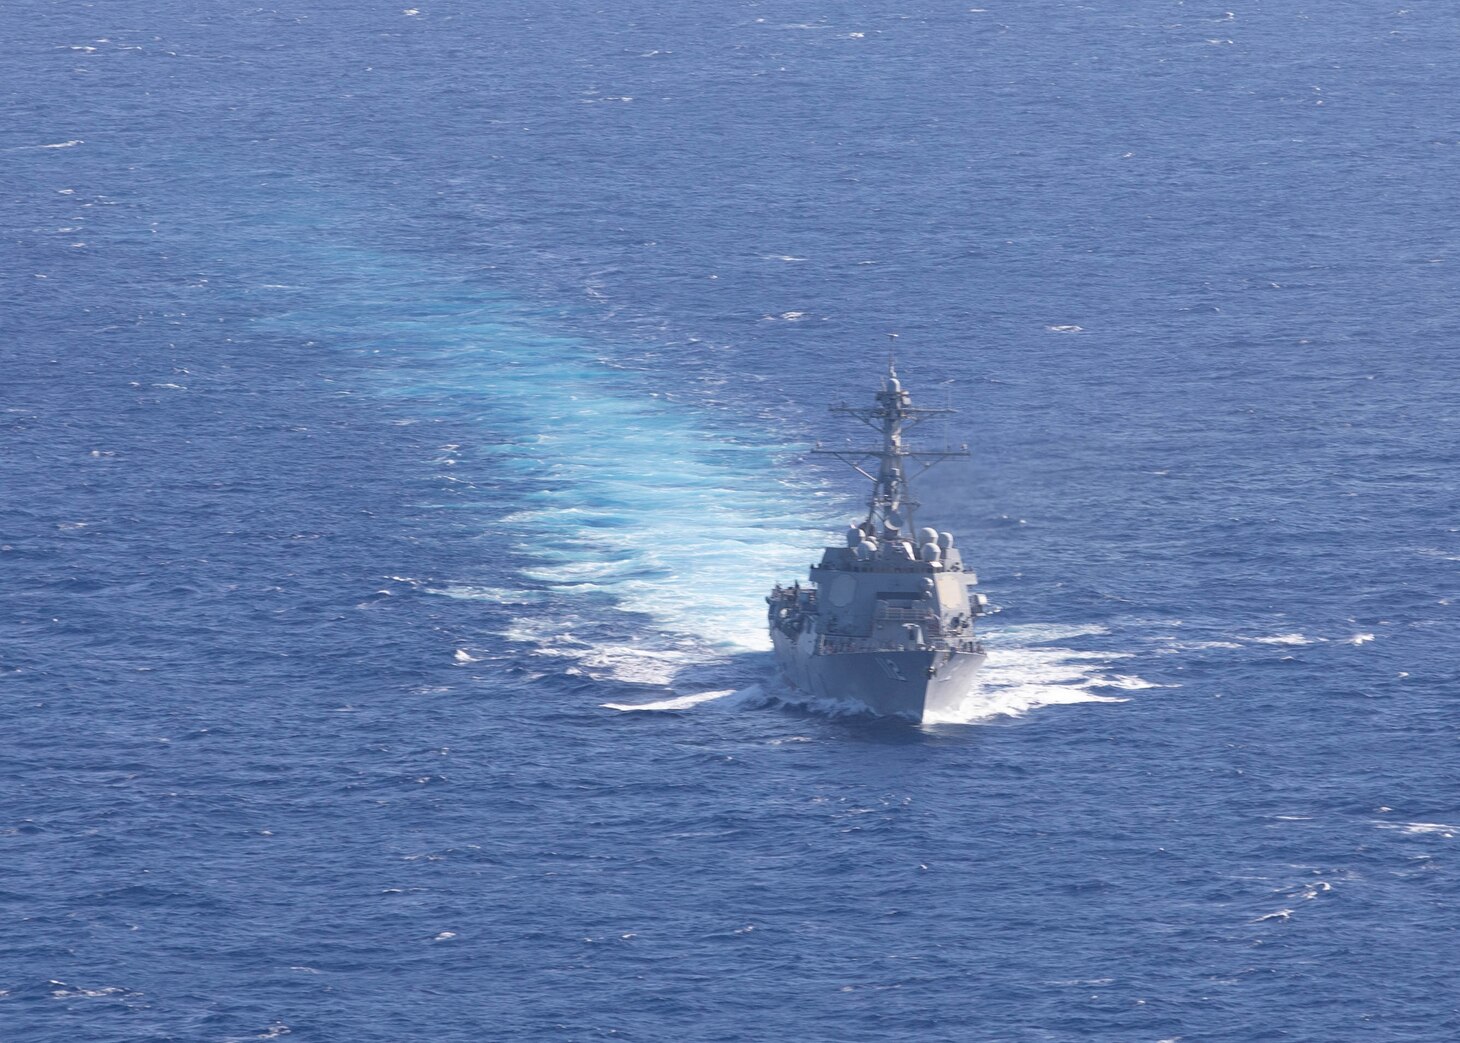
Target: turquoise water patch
<point>591,479</point>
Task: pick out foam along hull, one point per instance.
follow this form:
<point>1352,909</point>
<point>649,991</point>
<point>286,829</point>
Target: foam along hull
<point>908,684</point>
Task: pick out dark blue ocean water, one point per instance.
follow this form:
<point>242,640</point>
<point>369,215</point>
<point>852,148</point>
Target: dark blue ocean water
<point>394,397</point>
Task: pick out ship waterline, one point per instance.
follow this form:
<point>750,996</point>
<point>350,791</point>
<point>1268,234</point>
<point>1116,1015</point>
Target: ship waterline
<point>913,684</point>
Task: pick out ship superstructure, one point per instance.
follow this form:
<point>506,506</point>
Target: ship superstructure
<point>887,620</point>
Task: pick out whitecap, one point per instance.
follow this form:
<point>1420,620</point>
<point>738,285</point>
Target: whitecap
<point>1284,639</point>
<point>62,991</point>
<point>1421,828</point>
<point>1281,915</point>
<point>1129,683</point>
<point>1435,552</point>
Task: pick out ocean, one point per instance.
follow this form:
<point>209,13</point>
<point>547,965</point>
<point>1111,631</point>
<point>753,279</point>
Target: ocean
<point>406,410</point>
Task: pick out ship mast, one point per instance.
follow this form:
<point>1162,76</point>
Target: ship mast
<point>891,504</point>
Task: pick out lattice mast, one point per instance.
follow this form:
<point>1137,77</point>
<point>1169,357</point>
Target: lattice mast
<point>891,504</point>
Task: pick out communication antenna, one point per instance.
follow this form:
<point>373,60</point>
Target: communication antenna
<point>891,502</point>
<point>948,406</point>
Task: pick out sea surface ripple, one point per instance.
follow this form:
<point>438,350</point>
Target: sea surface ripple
<point>405,411</point>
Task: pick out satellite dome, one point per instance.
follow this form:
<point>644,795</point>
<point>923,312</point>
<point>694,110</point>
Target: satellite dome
<point>927,535</point>
<point>930,552</point>
<point>945,540</point>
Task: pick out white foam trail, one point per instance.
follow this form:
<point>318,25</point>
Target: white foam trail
<point>637,664</point>
<point>1014,681</point>
<point>632,495</point>
<point>620,492</point>
<point>656,660</point>
<point>696,544</point>
<point>1038,633</point>
<point>1284,639</point>
<point>1130,683</point>
<point>495,595</point>
<point>679,702</point>
<point>678,513</point>
<point>1022,674</point>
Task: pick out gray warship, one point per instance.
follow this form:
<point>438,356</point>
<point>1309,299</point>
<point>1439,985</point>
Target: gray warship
<point>887,620</point>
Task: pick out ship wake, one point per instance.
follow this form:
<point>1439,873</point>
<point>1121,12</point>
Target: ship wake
<point>1026,670</point>
<point>1030,667</point>
<point>627,535</point>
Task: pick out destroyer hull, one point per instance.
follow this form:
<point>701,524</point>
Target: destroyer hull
<point>908,683</point>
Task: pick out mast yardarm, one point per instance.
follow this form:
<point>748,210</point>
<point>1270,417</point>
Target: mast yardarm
<point>891,504</point>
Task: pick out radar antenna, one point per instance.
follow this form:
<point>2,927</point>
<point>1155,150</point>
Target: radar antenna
<point>891,502</point>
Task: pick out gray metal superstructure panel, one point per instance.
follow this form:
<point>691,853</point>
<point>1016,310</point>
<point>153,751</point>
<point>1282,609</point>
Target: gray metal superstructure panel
<point>909,684</point>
